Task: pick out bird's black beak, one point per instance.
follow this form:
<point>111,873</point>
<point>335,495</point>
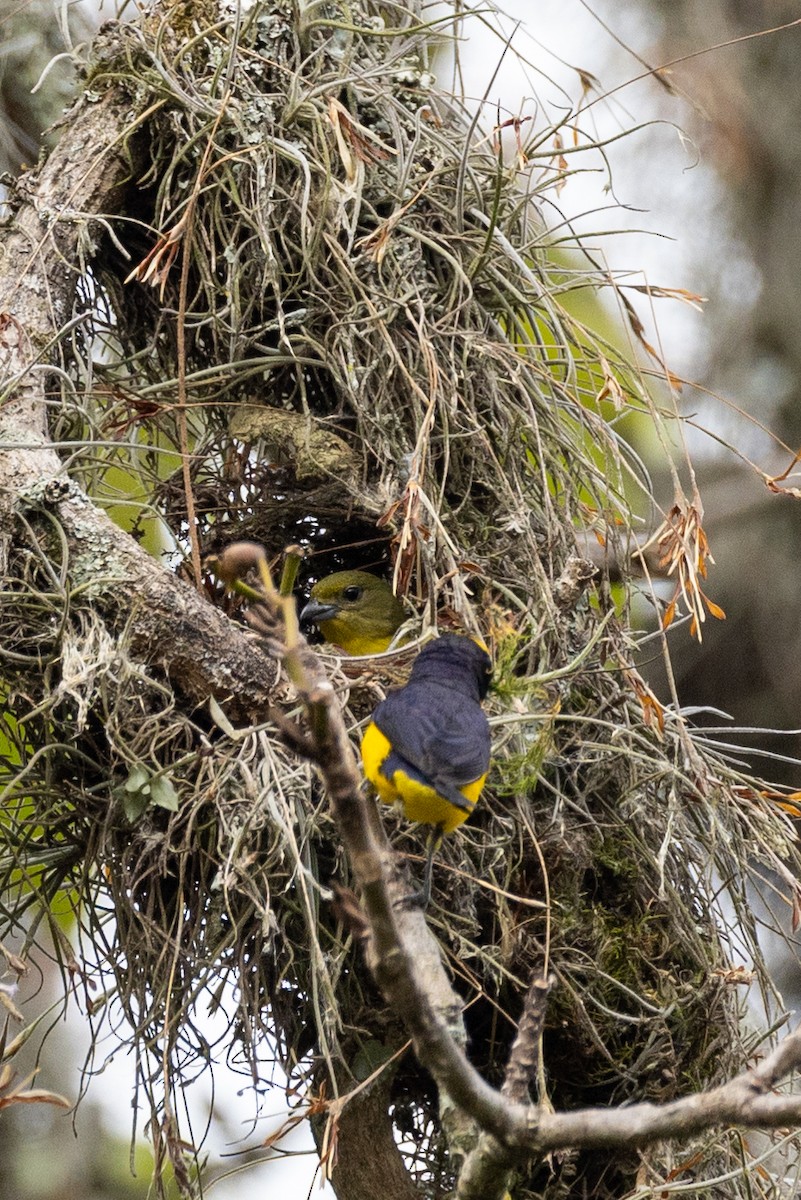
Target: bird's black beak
<point>314,612</point>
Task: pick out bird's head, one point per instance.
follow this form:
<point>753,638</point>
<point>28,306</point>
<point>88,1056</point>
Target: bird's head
<point>355,610</point>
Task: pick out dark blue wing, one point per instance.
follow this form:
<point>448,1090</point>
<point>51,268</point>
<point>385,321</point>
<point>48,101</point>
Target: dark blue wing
<point>443,734</point>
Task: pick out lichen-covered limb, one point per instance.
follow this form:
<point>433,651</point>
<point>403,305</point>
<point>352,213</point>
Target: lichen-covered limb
<point>748,1101</point>
<point>168,622</point>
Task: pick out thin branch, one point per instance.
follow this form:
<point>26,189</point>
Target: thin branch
<point>487,1171</point>
<point>747,1101</point>
<point>401,951</point>
<point>524,1057</point>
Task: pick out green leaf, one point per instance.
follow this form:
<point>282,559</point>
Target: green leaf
<point>134,804</point>
<point>164,794</point>
<point>142,788</point>
<point>138,778</point>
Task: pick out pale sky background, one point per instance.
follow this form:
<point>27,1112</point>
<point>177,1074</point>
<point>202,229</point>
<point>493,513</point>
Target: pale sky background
<point>674,200</point>
<point>658,177</point>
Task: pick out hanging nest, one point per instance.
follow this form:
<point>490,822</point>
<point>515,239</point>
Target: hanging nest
<point>378,361</point>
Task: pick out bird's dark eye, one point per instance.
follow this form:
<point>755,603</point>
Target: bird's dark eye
<point>352,593</point>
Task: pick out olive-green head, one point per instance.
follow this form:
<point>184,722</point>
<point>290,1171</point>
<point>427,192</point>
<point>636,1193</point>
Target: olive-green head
<point>355,610</point>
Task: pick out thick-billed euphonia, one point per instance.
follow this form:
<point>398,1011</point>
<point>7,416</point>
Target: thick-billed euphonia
<point>427,746</point>
<point>355,610</point>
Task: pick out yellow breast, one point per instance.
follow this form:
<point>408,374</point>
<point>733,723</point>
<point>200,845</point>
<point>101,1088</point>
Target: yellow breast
<point>341,632</point>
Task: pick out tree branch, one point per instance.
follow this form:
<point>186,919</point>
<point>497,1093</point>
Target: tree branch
<point>200,649</point>
<point>415,983</point>
<point>406,963</point>
<point>747,1101</point>
<point>487,1169</point>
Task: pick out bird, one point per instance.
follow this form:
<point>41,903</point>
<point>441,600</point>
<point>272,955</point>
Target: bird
<point>426,747</point>
<point>356,611</point>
